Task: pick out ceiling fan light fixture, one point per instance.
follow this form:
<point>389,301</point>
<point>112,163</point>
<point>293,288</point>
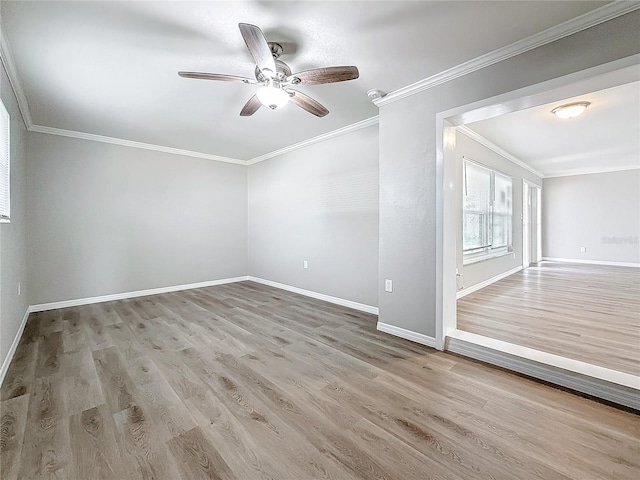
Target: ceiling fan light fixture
<point>272,96</point>
<point>570,110</point>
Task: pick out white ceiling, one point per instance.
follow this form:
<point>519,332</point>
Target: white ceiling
<point>605,137</point>
<point>110,68</point>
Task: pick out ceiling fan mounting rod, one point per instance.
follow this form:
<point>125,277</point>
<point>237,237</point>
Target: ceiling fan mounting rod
<point>276,49</point>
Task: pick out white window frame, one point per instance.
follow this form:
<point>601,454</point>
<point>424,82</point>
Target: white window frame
<point>486,252</point>
<point>5,164</point>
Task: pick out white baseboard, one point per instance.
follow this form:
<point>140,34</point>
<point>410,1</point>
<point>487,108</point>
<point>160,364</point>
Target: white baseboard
<point>14,346</point>
<point>139,293</point>
<point>486,283</point>
<point>407,334</point>
<point>614,386</point>
<point>591,262</point>
<point>320,296</point>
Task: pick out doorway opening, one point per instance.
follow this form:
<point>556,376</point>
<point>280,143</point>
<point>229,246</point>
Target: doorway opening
<point>532,359</point>
<point>531,224</point>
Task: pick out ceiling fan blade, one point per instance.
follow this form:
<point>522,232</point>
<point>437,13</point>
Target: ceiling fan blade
<point>250,107</point>
<point>318,76</point>
<point>216,76</point>
<point>257,45</point>
<point>309,104</point>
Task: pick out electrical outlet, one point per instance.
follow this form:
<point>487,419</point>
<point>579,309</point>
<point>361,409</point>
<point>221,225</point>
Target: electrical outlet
<point>583,249</point>
<point>388,285</point>
<point>305,264</point>
<point>19,289</point>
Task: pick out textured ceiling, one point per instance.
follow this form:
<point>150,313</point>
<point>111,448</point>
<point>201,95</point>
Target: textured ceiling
<point>605,137</point>
<point>109,68</point>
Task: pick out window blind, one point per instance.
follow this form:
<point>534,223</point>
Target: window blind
<point>5,177</point>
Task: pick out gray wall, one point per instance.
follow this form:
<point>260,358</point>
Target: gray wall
<point>598,211</point>
<point>319,204</point>
<point>479,272</point>
<point>13,241</point>
<point>408,160</point>
<point>107,219</point>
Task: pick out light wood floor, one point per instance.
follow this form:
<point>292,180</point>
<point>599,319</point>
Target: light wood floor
<point>584,312</point>
<point>243,381</point>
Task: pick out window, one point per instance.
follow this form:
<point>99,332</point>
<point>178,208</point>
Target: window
<point>487,213</point>
<point>4,165</point>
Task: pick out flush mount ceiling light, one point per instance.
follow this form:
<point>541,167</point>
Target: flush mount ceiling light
<point>570,110</point>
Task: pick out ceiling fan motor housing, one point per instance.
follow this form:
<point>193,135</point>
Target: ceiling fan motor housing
<point>282,72</point>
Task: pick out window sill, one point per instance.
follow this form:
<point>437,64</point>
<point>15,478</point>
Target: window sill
<point>484,258</point>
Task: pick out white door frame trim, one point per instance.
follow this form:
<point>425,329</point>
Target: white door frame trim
<point>530,185</point>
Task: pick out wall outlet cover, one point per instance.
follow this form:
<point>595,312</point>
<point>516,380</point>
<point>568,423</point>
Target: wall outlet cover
<point>388,285</point>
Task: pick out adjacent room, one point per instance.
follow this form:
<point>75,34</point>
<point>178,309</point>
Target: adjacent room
<point>234,242</point>
<point>565,279</point>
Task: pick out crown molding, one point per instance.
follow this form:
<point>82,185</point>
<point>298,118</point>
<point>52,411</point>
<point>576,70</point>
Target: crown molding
<point>130,143</point>
<point>320,138</point>
<point>492,146</point>
<point>14,79</point>
<point>583,171</point>
<point>590,171</point>
<point>575,25</point>
<point>189,153</point>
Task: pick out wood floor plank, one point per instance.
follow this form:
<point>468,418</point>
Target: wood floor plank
<point>81,382</point>
<point>117,387</point>
<point>95,329</point>
<point>93,443</point>
<point>245,381</point>
<point>50,353</point>
<point>74,337</point>
<point>197,458</point>
<point>21,372</point>
<point>182,379</point>
<point>51,321</point>
<point>46,450</point>
<point>144,453</point>
<point>164,405</point>
<point>13,417</point>
<point>127,343</point>
<point>143,370</point>
<point>108,313</point>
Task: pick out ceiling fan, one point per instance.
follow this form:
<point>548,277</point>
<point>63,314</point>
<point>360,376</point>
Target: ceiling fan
<point>275,77</point>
